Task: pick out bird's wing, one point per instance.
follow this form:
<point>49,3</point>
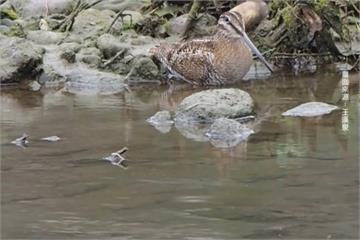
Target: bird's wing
<point>193,60</point>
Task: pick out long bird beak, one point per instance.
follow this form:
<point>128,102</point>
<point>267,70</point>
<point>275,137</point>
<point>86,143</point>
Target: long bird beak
<point>254,48</point>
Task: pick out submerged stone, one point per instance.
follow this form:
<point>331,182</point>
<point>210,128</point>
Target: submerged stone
<point>21,141</point>
<point>226,133</point>
<point>310,109</point>
<point>51,139</point>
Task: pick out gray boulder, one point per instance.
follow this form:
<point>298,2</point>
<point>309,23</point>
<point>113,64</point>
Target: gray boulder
<point>89,81</point>
<point>208,105</point>
<point>143,70</point>
<point>120,5</point>
<point>204,25</point>
<point>92,23</point>
<point>36,8</point>
<point>73,46</point>
<point>45,37</point>
<point>19,58</point>
<point>90,56</point>
<point>310,109</point>
<point>110,45</point>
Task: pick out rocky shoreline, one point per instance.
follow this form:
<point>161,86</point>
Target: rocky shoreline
<point>96,56</point>
<point>99,48</point>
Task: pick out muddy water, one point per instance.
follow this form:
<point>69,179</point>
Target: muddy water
<point>294,178</point>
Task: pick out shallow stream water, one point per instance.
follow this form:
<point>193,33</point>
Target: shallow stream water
<point>293,178</point>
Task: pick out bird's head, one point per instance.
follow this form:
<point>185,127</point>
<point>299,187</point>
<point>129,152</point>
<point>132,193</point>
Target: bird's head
<point>231,24</point>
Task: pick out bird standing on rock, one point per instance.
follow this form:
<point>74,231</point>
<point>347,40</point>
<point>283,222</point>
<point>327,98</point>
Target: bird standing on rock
<point>223,58</point>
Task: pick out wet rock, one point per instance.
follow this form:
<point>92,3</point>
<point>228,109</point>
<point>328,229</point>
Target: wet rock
<point>73,46</point>
<point>19,58</point>
<point>117,159</point>
<point>88,81</point>
<point>110,45</point>
<point>131,18</point>
<point>69,55</point>
<point>45,37</point>
<point>90,56</point>
<point>178,25</point>
<point>51,139</point>
<point>21,141</point>
<point>143,70</point>
<point>120,5</point>
<point>36,8</point>
<point>310,109</point>
<point>204,25</point>
<point>92,23</point>
<point>161,121</point>
<point>208,105</point>
<point>34,86</point>
<point>226,133</point>
<point>142,40</point>
<point>3,29</point>
<point>7,22</point>
<point>54,69</point>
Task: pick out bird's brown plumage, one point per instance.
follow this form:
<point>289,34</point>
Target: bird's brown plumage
<point>219,59</point>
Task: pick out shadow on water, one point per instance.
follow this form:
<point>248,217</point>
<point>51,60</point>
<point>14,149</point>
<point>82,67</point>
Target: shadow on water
<point>293,178</point>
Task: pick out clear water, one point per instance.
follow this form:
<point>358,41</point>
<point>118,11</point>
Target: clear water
<point>294,178</point>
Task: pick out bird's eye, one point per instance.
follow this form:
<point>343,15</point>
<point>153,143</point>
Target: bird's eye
<point>226,19</point>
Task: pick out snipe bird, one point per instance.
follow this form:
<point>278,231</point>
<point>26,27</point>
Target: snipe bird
<point>223,58</point>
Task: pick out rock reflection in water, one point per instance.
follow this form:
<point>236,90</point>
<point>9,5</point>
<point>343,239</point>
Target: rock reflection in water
<point>192,130</point>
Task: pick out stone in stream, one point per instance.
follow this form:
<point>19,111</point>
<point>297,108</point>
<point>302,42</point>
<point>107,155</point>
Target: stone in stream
<point>21,141</point>
<point>310,109</point>
<point>208,105</point>
<point>34,86</point>
<point>225,133</point>
<point>161,121</point>
<point>51,139</point>
<point>117,159</point>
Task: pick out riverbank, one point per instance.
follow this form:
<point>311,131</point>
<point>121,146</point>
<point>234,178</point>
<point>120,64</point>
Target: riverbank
<point>101,46</point>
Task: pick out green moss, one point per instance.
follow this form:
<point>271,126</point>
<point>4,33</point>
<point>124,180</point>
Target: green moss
<point>8,13</point>
<point>15,31</point>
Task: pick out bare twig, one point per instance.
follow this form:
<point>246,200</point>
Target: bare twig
<point>117,55</point>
